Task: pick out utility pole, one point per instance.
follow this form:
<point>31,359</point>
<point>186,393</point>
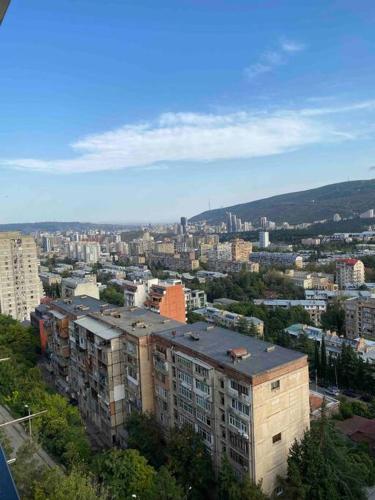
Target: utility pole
<point>29,412</point>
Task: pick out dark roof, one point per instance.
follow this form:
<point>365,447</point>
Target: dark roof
<point>215,342</point>
<point>358,428</point>
<point>7,487</point>
<point>70,305</point>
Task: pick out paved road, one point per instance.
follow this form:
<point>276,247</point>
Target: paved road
<point>17,436</point>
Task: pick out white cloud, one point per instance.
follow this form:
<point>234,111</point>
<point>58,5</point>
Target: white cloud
<point>271,59</point>
<point>194,137</point>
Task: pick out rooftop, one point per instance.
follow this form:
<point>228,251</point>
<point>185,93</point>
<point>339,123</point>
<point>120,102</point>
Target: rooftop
<point>82,303</point>
<point>215,342</point>
<point>135,320</point>
<point>98,328</point>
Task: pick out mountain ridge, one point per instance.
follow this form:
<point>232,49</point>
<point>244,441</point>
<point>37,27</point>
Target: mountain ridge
<point>349,199</point>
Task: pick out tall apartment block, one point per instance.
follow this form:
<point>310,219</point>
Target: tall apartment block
<point>111,370</point>
<point>241,250</point>
<point>247,398</point>
<point>20,286</point>
<point>360,318</point>
<point>350,272</point>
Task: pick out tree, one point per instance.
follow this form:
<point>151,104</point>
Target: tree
<point>112,295</point>
<point>126,473</point>
<point>165,487</point>
<point>231,488</point>
<point>190,462</point>
<point>334,319</point>
<point>145,435</point>
<point>78,484</point>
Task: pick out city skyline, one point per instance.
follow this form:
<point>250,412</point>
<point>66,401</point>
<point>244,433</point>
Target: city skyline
<point>222,103</point>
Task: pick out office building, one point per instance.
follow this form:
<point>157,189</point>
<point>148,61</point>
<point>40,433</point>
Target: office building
<point>20,286</point>
<point>248,399</point>
<point>184,225</point>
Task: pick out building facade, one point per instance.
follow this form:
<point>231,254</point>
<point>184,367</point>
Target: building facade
<point>360,318</point>
<point>350,272</point>
<point>20,286</point>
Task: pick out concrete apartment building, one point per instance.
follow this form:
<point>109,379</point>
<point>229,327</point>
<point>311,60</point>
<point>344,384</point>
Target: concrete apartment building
<point>136,291</point>
<point>230,320</point>
<point>315,308</point>
<point>315,281</point>
<point>246,398</point>
<point>167,298</point>
<point>195,299</point>
<point>181,261</point>
<point>277,258</point>
<point>360,318</point>
<point>111,369</point>
<point>241,250</point>
<point>350,272</point>
<point>20,286</point>
<point>73,287</point>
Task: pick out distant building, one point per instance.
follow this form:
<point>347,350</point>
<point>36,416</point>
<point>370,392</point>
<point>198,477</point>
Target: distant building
<point>71,287</point>
<point>369,214</point>
<point>360,318</point>
<point>315,308</point>
<point>136,292</point>
<point>264,239</point>
<point>230,320</point>
<point>350,272</point>
<point>277,258</point>
<point>184,225</point>
<point>20,285</point>
<point>263,222</point>
<point>311,242</point>
<point>230,266</point>
<point>49,279</point>
<point>336,218</point>
<point>168,299</point>
<point>241,250</point>
<point>195,299</point>
<point>316,281</point>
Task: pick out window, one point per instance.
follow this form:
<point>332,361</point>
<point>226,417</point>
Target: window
<point>202,403</point>
<point>185,406</point>
<point>202,417</point>
<point>185,363</point>
<point>275,385</point>
<point>276,438</point>
<point>222,383</point>
<point>185,377</point>
<point>237,405</point>
<point>201,386</point>
<point>239,459</point>
<point>236,386</point>
<point>201,371</point>
<point>206,436</point>
<point>238,424</point>
<point>185,392</point>
<point>239,442</point>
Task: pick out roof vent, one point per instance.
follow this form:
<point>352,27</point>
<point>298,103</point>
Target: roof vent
<point>270,348</point>
<point>192,335</point>
<point>210,327</point>
<point>238,353</point>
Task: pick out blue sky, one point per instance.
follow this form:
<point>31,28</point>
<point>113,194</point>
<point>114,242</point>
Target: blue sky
<point>127,111</point>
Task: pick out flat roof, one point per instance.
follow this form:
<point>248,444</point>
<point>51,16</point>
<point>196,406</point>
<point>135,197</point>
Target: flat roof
<point>215,342</point>
<point>72,304</point>
<point>98,328</point>
<point>137,321</point>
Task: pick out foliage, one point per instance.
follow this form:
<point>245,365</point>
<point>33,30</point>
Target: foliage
<point>112,295</point>
<point>323,465</point>
<point>231,488</point>
<point>60,430</point>
<point>165,487</point>
<point>78,484</point>
<point>334,319</point>
<point>190,462</point>
<point>126,473</point>
<point>350,408</point>
<point>145,435</point>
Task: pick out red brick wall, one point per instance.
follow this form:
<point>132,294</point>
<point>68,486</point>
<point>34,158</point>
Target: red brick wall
<point>172,304</point>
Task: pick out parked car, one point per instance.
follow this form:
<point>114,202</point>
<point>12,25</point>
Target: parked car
<point>350,393</point>
<point>332,391</point>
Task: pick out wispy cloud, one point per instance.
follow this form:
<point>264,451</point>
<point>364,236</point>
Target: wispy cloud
<point>195,137</point>
<point>271,59</point>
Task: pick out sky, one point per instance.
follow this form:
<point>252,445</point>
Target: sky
<point>145,111</point>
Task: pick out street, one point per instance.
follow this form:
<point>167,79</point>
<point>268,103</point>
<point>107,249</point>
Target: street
<point>17,436</point>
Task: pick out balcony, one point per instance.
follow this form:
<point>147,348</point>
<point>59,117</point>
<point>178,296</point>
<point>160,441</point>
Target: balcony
<point>161,366</point>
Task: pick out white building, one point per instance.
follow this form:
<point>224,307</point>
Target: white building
<point>136,291</point>
<point>20,286</point>
<point>315,308</point>
<point>264,239</point>
<point>71,287</point>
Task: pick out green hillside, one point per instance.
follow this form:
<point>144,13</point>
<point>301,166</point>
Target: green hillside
<point>346,198</point>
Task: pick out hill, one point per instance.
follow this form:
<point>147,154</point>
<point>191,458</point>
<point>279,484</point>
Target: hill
<point>31,227</point>
<point>346,198</point>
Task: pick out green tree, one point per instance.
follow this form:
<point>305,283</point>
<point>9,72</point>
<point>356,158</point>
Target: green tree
<point>165,486</point>
<point>126,473</point>
<point>190,462</point>
<point>334,318</point>
<point>145,435</point>
<point>112,295</point>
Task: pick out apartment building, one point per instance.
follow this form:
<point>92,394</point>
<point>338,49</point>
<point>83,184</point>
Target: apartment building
<point>231,320</point>
<point>245,397</point>
<point>364,348</point>
<point>315,308</point>
<point>360,318</point>
<point>182,261</point>
<point>168,299</point>
<point>20,286</point>
<point>49,279</point>
<point>230,266</point>
<point>111,369</point>
<point>85,251</point>
<point>195,299</point>
<point>316,281</point>
<point>350,273</point>
<point>136,291</point>
<point>277,258</point>
<point>241,250</point>
<point>72,287</point>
